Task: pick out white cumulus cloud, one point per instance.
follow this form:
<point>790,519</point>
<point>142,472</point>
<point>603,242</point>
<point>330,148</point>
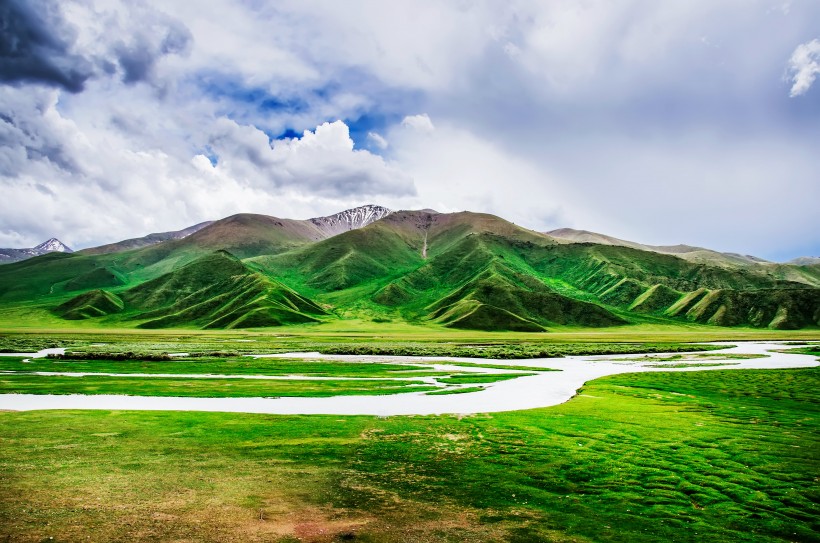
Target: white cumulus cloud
<point>421,122</point>
<point>322,161</point>
<point>804,65</point>
<point>377,140</point>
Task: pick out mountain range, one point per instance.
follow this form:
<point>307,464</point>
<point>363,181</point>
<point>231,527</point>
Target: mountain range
<point>52,245</point>
<point>459,270</point>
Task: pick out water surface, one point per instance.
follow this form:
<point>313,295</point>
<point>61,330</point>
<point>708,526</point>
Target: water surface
<point>540,390</point>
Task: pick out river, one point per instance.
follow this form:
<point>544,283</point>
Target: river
<point>541,390</point>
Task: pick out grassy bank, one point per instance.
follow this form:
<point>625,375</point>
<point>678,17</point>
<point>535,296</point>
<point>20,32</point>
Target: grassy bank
<point>366,332</point>
<point>221,366</point>
<point>202,388</point>
<point>712,456</point>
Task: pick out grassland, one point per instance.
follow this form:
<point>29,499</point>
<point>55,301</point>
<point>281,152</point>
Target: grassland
<point>221,366</point>
<point>222,377</point>
<point>363,337</point>
<point>203,388</point>
<point>807,349</point>
<point>713,456</point>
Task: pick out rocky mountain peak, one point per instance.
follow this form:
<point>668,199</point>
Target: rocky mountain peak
<point>52,245</point>
<point>351,219</point>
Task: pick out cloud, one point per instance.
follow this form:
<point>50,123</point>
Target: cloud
<point>32,134</point>
<point>35,46</point>
<point>421,122</point>
<point>322,162</point>
<point>455,170</point>
<point>88,180</point>
<point>138,58</point>
<point>804,65</point>
<point>66,45</point>
<point>377,140</point>
<point>544,110</point>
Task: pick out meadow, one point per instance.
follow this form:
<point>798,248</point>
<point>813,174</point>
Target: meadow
<point>367,337</point>
<point>725,455</point>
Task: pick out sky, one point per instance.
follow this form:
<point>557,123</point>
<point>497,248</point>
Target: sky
<point>656,121</point>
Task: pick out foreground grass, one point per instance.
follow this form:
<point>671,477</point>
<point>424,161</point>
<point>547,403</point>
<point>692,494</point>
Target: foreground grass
<point>705,456</point>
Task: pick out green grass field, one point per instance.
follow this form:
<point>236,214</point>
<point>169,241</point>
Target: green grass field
<point>205,388</point>
<point>364,337</point>
<point>204,377</point>
<point>697,456</point>
<point>222,366</point>
<point>712,456</point>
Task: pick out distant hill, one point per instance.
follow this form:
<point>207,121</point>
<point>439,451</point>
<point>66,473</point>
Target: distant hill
<point>52,245</point>
<point>695,254</point>
<point>805,261</point>
<point>456,270</point>
<point>145,241</point>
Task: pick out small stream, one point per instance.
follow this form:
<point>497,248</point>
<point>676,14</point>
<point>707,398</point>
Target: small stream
<point>540,390</point>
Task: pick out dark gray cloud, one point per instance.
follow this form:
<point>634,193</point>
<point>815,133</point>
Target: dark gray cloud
<point>38,45</point>
<point>35,46</point>
<point>137,58</point>
<point>27,136</point>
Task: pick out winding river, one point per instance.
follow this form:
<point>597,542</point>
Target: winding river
<point>540,390</point>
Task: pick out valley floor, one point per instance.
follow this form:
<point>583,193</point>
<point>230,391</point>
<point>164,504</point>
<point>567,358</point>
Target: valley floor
<point>725,455</point>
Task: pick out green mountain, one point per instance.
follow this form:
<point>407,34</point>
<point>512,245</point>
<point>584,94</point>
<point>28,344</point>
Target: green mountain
<point>214,291</point>
<point>459,270</point>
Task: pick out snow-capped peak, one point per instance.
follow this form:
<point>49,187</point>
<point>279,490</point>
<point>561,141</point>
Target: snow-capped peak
<point>351,219</point>
<point>52,245</point>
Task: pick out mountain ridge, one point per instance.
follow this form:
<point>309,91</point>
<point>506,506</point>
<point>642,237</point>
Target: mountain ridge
<point>453,270</point>
<point>360,216</point>
<point>689,252</point>
<point>51,245</point>
<point>144,241</point>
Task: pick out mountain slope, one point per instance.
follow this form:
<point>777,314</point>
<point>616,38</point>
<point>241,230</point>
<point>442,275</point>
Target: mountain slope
<point>259,232</point>
<point>770,308</point>
<point>243,235</point>
<point>805,261</point>
<point>646,282</point>
<point>145,241</point>
<point>45,275</point>
<point>95,303</point>
<point>214,291</point>
<point>479,271</point>
<point>457,270</point>
<point>444,268</point>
